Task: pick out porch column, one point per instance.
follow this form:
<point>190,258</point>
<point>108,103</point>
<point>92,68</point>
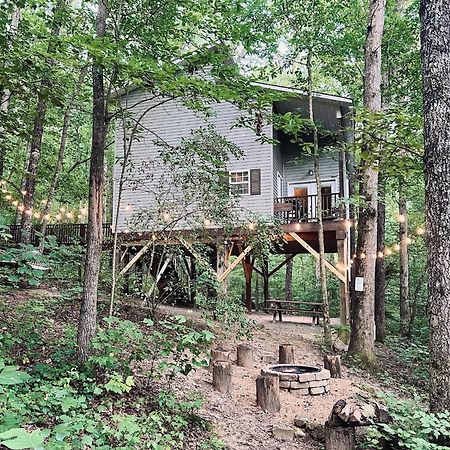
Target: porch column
<point>265,271</point>
<point>222,265</point>
<point>248,270</point>
<point>344,295</point>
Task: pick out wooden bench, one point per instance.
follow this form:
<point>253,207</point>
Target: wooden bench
<point>281,306</point>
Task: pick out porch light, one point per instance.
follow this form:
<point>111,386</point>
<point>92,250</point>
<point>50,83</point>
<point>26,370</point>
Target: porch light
<point>311,172</point>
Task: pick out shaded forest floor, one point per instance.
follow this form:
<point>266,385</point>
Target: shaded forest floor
<point>236,419</point>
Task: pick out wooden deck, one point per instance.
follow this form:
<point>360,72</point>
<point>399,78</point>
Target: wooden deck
<point>65,233</point>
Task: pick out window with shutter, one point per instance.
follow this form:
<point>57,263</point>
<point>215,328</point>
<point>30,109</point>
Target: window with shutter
<point>255,182</point>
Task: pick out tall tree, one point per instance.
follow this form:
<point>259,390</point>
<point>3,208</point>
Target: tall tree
<point>380,272</point>
<point>6,94</point>
<point>435,54</point>
<point>38,127</point>
<point>363,323</point>
<point>88,314</point>
<point>404,265</point>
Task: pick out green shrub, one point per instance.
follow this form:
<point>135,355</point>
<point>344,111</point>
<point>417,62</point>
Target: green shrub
<point>412,428</point>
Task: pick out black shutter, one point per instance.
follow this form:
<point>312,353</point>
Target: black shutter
<point>255,182</point>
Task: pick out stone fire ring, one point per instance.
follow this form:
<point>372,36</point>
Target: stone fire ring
<point>303,380</point>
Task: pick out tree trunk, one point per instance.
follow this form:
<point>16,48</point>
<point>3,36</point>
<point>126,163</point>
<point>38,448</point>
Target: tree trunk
<point>404,266</point>
<point>268,393</point>
<point>380,272</point>
<point>288,279</point>
<point>6,95</point>
<point>363,308</point>
<point>322,269</point>
<point>286,354</point>
<point>333,364</point>
<point>60,160</point>
<point>435,53</point>
<point>88,314</point>
<point>222,376</point>
<point>339,438</point>
<point>244,355</point>
<point>38,132</point>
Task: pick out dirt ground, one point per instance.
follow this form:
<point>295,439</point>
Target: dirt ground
<point>238,421</point>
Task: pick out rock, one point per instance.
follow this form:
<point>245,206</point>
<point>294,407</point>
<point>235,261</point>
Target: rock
<point>317,390</point>
<point>316,430</point>
<point>300,421</point>
<point>297,385</point>
<point>318,383</point>
<point>283,433</point>
<point>368,410</point>
<point>299,433</point>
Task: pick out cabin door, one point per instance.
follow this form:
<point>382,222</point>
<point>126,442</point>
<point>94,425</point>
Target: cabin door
<point>303,205</point>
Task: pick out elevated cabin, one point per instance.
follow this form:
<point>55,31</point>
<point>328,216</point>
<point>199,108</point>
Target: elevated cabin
<point>273,178</point>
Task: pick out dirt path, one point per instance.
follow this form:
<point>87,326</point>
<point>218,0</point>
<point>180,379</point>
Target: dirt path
<point>239,422</point>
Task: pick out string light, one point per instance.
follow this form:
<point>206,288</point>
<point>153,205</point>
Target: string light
<point>251,226</point>
<point>401,218</point>
<point>206,222</point>
<point>380,255</point>
<point>420,231</point>
<point>387,251</point>
<point>396,247</point>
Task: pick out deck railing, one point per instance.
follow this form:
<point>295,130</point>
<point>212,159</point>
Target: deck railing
<point>304,209</point>
<point>65,233</point>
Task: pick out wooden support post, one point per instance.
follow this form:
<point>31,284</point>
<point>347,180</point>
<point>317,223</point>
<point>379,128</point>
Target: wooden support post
<point>286,354</point>
<point>248,269</point>
<point>222,376</point>
<point>245,355</point>
<point>265,272</point>
<point>344,294</point>
<point>339,438</point>
<point>333,364</point>
<point>316,255</point>
<point>222,263</point>
<point>219,354</point>
<point>268,393</point>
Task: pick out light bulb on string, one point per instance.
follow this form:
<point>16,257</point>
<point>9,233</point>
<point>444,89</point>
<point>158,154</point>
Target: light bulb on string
<point>396,247</point>
<point>420,231</point>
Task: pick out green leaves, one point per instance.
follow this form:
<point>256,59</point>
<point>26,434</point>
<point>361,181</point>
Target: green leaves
<point>19,438</point>
<point>10,375</point>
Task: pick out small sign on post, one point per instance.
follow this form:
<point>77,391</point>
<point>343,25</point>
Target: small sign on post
<point>359,284</point>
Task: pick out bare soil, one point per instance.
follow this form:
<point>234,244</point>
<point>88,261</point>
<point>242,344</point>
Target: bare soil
<point>238,421</point>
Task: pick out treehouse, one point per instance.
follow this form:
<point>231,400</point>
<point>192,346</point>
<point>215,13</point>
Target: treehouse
<point>273,178</point>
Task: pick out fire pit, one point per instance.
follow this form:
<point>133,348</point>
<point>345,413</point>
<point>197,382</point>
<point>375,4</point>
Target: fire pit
<point>303,380</point>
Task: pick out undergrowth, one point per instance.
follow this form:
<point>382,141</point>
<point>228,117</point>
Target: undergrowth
<point>123,397</point>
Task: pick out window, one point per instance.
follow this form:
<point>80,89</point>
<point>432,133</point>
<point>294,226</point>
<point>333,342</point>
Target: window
<point>240,182</point>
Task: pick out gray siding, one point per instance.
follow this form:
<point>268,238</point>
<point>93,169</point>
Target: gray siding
<point>277,165</point>
<point>296,168</point>
<point>172,121</point>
